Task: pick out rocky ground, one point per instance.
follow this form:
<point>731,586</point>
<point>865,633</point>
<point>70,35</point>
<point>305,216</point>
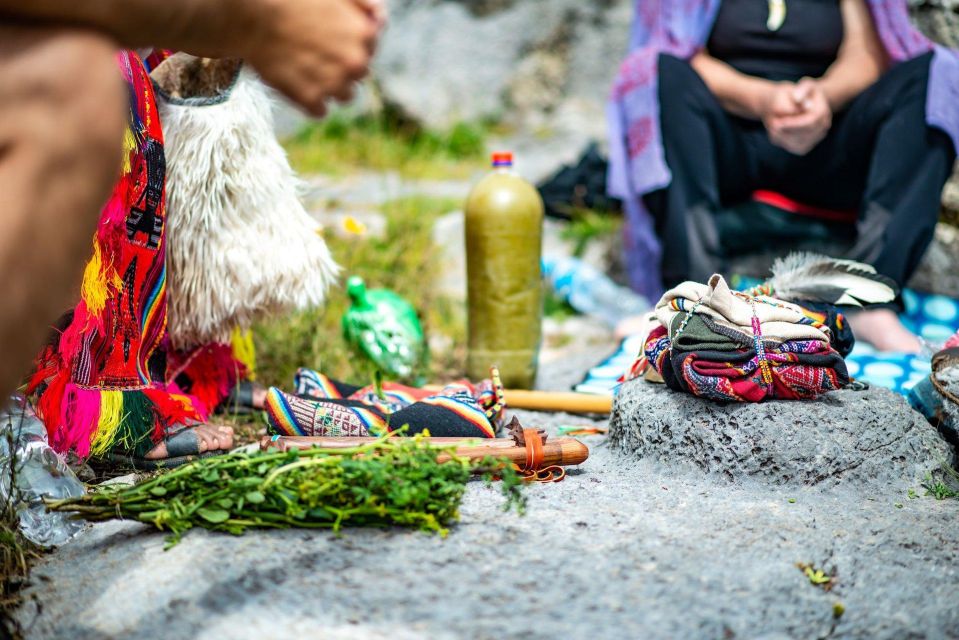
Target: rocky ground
<point>634,543</point>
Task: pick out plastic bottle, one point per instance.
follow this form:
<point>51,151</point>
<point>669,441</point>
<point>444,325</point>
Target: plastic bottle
<point>385,328</point>
<point>31,471</point>
<point>504,232</point>
<point>590,291</point>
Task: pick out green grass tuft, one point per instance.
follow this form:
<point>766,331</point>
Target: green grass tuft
<point>342,143</point>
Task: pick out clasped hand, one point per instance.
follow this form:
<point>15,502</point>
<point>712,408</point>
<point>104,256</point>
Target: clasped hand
<point>797,116</point>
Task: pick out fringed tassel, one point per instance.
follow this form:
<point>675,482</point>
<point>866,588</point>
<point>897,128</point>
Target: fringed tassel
<point>129,147</point>
<point>76,421</point>
<point>244,350</point>
<point>108,425</point>
<point>96,422</point>
<point>100,280</point>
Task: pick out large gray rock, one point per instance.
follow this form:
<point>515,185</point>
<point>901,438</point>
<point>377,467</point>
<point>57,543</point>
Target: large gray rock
<point>938,19</point>
<point>937,272</point>
<point>533,63</point>
<point>870,438</point>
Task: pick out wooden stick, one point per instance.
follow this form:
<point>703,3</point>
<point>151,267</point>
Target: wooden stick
<point>559,451</point>
<point>567,401</point>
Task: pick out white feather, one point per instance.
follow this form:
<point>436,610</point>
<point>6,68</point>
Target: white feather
<point>809,276</point>
<point>240,245</point>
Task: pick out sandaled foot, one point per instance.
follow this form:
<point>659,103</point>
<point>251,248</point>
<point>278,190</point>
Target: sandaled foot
<point>194,441</point>
<point>883,330</point>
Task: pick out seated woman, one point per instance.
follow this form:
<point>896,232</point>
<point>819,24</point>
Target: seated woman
<point>835,104</point>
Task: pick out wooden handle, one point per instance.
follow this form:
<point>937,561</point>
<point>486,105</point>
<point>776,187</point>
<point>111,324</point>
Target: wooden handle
<point>559,451</point>
<point>567,401</point>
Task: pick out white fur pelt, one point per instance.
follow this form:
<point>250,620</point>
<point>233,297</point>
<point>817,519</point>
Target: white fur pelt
<point>240,245</point>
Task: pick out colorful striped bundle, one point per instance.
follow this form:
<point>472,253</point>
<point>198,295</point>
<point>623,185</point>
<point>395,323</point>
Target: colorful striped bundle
<point>325,407</point>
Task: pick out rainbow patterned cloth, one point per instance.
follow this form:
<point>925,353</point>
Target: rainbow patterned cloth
<point>935,318</point>
<point>322,406</point>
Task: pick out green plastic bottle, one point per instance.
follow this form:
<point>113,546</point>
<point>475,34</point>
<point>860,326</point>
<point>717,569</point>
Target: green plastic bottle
<point>385,329</point>
<point>504,233</point>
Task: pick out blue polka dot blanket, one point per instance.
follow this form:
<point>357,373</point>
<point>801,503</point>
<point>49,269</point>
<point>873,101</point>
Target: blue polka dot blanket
<point>935,318</point>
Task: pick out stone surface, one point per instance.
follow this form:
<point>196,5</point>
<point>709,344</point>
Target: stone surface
<point>949,377</point>
<point>535,63</point>
<point>622,549</point>
<point>862,439</point>
<point>937,272</point>
<point>938,19</point>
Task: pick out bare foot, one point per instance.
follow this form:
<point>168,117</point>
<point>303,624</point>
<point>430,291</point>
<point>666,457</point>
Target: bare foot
<point>882,329</point>
<point>211,438</point>
<point>633,325</point>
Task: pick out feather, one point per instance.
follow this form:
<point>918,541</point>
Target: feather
<point>818,278</point>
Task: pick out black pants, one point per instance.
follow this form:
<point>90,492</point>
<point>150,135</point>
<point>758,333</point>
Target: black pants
<point>879,158</point>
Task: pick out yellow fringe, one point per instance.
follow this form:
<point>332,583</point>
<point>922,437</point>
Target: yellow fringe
<point>111,417</point>
<point>129,146</point>
<point>94,289</point>
<point>244,350</point>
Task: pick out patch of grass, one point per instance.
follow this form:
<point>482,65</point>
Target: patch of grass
<point>342,143</point>
<point>17,554</point>
<point>939,490</point>
<point>587,225</point>
<point>404,260</point>
<point>818,577</point>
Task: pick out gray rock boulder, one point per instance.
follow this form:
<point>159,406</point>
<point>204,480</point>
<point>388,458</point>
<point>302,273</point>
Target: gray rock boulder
<point>870,439</point>
<point>938,19</point>
<point>534,63</point>
<point>937,272</point>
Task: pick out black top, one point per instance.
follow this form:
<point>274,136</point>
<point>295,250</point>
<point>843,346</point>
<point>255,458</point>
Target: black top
<point>805,45</point>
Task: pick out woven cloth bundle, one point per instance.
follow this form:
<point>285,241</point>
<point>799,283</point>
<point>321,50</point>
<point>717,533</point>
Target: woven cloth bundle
<point>712,342</point>
<point>322,406</point>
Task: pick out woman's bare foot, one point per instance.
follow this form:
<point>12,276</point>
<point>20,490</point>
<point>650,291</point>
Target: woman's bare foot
<point>882,329</point>
<point>209,438</point>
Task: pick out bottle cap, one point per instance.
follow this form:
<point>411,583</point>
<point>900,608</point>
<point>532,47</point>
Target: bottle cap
<point>503,159</point>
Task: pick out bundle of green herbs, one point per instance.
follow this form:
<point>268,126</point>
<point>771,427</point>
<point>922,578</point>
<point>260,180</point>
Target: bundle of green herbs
<point>381,483</point>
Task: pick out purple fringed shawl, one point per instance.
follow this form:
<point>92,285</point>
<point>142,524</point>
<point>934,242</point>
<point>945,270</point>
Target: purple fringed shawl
<point>681,27</point>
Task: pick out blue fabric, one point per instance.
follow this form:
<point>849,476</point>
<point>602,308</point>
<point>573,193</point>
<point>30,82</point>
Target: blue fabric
<point>933,317</point>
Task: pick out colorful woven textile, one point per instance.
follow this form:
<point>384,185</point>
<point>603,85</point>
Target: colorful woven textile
<point>724,345</point>
<point>797,369</point>
<point>102,384</point>
<point>322,406</point>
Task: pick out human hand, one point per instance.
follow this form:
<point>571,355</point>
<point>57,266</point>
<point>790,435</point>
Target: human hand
<point>312,50</point>
<point>780,101</point>
<point>800,132</point>
<point>377,9</point>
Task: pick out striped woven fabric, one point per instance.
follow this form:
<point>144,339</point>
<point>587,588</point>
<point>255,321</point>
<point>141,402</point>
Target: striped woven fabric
<point>322,406</point>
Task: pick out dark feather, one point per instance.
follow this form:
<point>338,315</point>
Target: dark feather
<point>818,278</point>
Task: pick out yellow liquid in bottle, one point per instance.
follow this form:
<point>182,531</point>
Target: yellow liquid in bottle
<point>504,230</point>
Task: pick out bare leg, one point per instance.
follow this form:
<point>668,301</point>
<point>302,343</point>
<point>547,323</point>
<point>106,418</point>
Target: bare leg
<point>62,106</point>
